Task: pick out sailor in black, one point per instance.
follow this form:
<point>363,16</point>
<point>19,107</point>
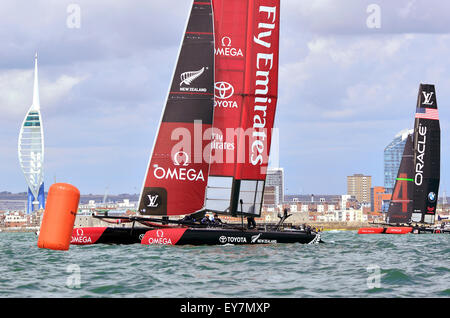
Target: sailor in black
<point>216,219</point>
<point>188,219</point>
<point>251,222</point>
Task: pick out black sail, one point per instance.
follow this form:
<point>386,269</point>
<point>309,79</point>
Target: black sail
<point>400,207</point>
<point>427,146</point>
<point>177,172</point>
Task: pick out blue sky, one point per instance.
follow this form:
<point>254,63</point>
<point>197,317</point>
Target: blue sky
<point>345,90</point>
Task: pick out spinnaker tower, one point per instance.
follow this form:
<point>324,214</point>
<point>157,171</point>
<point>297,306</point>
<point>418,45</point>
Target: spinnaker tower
<point>31,150</point>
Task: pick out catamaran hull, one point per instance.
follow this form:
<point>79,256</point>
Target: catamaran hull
<point>107,235</point>
<point>430,231</point>
<point>401,230</point>
<point>188,236</point>
<point>212,236</point>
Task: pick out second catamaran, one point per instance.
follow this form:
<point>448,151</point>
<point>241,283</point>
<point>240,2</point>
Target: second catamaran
<point>414,200</point>
<point>212,145</point>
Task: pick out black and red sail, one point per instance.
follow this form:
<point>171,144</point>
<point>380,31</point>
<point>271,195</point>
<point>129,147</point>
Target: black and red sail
<point>400,207</point>
<point>427,147</point>
<point>177,173</point>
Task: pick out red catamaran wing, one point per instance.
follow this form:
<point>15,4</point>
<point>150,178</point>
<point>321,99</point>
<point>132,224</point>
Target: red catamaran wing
<point>247,45</point>
<point>230,28</point>
<point>177,173</point>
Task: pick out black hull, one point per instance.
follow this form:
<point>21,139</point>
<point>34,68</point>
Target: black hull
<point>429,231</point>
<point>189,236</point>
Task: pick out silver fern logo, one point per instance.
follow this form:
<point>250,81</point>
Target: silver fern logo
<point>188,77</point>
<point>255,238</point>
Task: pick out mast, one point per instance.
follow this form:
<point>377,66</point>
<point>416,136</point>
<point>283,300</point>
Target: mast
<point>177,172</point>
<point>400,207</point>
<point>427,146</point>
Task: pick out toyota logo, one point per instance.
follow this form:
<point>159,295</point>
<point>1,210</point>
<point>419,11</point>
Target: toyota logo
<point>223,239</point>
<point>223,90</point>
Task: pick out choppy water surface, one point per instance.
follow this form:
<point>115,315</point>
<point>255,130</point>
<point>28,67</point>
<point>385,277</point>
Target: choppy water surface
<point>348,265</point>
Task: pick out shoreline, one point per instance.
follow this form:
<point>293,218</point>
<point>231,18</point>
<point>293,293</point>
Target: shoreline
<point>18,230</point>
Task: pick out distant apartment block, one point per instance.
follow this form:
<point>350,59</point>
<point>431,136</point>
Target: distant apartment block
<point>275,178</point>
<point>270,196</point>
<point>359,186</point>
<point>392,158</point>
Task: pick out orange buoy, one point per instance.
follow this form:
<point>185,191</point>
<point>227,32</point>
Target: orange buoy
<point>59,217</point>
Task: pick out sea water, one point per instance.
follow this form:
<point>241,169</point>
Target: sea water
<point>346,265</point>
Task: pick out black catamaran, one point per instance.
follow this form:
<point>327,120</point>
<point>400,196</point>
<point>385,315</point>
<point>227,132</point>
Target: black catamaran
<point>414,200</point>
<point>212,146</point>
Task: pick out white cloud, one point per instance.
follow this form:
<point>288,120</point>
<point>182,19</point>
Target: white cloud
<point>16,91</point>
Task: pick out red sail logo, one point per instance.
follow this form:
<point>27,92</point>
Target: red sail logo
<point>223,91</point>
<point>227,50</point>
<point>262,103</point>
<point>178,172</point>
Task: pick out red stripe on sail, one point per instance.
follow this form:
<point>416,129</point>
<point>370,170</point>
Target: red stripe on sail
<point>192,93</point>
<point>192,32</point>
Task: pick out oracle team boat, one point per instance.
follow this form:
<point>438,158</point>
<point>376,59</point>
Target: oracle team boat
<point>415,196</point>
<point>212,145</point>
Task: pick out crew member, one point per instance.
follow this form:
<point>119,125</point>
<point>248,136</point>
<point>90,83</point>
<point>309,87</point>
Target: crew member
<point>188,219</point>
<point>217,220</point>
<point>251,224</point>
<point>206,220</point>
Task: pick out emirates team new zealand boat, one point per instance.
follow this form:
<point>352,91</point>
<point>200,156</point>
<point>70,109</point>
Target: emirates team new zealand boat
<point>212,145</point>
<point>414,200</point>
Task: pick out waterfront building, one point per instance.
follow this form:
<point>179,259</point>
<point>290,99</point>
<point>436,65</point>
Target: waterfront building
<point>275,178</point>
<point>31,150</point>
<point>270,197</point>
<point>359,186</point>
<point>350,215</point>
<point>379,199</point>
<point>15,220</point>
<point>392,158</point>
